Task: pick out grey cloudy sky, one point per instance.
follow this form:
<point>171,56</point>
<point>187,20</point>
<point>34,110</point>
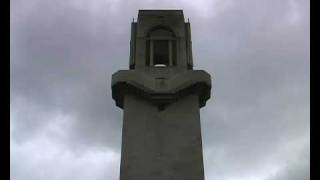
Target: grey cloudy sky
<point>65,125</point>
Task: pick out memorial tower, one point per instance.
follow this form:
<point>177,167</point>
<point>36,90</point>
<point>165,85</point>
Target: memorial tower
<point>161,96</point>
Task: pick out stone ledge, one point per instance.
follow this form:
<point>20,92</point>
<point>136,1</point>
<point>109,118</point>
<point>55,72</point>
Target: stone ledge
<point>161,90</point>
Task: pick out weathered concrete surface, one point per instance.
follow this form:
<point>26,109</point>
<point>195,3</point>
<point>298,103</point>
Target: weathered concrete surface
<point>161,144</point>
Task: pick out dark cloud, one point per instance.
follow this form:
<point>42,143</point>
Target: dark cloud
<point>63,54</point>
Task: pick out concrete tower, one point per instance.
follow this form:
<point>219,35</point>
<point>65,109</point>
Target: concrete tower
<point>161,96</point>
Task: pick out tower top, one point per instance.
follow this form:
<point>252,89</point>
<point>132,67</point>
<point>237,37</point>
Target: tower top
<point>160,38</point>
<point>159,12</point>
<point>161,65</point>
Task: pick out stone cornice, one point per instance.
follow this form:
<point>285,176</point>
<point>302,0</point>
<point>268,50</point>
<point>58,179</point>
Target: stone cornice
<point>158,89</point>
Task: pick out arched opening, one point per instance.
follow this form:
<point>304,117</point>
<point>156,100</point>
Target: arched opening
<point>161,50</point>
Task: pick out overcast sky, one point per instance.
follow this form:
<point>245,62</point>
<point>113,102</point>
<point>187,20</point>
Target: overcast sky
<point>65,125</point>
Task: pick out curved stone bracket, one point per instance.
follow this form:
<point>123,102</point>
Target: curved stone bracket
<point>161,90</point>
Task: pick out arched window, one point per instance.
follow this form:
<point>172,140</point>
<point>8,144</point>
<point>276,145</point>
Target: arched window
<point>161,50</point>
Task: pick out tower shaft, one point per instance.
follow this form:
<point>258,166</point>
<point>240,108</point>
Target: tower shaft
<point>161,144</point>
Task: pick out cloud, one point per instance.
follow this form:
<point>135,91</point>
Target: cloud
<point>297,166</point>
<point>63,53</point>
<point>44,158</point>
